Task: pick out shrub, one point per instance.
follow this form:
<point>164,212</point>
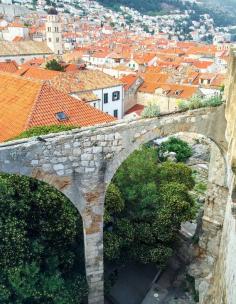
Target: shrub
<point>43,130</point>
<point>214,101</point>
<point>150,111</point>
<point>197,101</point>
<point>183,105</point>
<point>54,65</point>
<point>171,172</point>
<point>182,149</point>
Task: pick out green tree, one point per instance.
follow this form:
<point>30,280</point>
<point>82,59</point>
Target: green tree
<point>175,172</point>
<point>156,201</point>
<point>41,245</point>
<point>114,202</point>
<point>54,65</point>
<point>182,149</point>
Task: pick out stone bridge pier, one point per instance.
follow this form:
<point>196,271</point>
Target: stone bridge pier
<point>81,163</point>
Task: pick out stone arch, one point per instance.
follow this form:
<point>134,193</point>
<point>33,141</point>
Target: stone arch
<point>80,163</point>
<point>146,134</point>
<point>42,160</point>
<point>214,207</point>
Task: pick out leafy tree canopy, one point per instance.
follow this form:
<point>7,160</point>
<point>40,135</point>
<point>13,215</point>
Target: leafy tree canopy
<point>182,149</point>
<point>156,201</point>
<point>41,245</point>
<point>54,65</point>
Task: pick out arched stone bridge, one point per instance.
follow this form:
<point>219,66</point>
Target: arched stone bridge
<point>81,163</point>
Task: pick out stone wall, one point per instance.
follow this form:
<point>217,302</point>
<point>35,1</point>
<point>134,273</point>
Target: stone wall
<point>207,251</point>
<point>81,163</point>
<point>223,284</point>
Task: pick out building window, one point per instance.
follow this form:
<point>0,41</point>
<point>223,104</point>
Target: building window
<point>49,39</point>
<point>115,113</point>
<point>94,104</point>
<point>56,29</point>
<point>49,29</point>
<point>106,98</point>
<point>57,39</point>
<point>115,95</point>
<point>61,116</point>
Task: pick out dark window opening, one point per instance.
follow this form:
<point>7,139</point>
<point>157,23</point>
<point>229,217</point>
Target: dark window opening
<point>106,98</point>
<point>115,95</point>
<point>61,116</point>
<point>116,113</point>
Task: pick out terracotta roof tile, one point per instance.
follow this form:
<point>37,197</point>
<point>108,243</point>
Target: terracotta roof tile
<point>39,73</point>
<point>28,47</point>
<point>128,80</point>
<point>8,66</point>
<point>26,103</point>
<point>83,80</point>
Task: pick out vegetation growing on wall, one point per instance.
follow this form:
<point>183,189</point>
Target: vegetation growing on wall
<point>197,101</point>
<point>37,131</point>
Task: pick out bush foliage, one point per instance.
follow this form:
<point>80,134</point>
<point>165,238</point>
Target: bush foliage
<point>44,130</point>
<point>41,245</point>
<point>197,101</point>
<point>182,149</point>
<point>150,111</point>
<point>150,200</point>
<point>54,65</point>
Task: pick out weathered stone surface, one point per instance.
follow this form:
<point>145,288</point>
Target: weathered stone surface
<point>81,164</point>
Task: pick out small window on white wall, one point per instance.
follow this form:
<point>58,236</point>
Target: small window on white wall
<point>115,95</point>
<point>105,97</point>
<point>115,113</point>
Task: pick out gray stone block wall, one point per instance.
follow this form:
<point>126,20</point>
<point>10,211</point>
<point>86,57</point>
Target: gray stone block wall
<point>81,164</point>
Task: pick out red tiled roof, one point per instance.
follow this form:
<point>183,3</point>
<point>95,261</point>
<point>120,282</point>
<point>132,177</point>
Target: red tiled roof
<point>9,66</point>
<point>18,38</point>
<point>128,80</point>
<point>26,103</point>
<point>137,109</point>
<point>38,73</point>
<point>35,61</point>
<point>202,64</point>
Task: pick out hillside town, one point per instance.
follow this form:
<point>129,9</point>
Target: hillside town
<point>113,157</point>
<point>116,68</point>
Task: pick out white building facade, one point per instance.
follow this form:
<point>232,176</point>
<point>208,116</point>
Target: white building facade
<point>112,100</point>
<point>109,100</point>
